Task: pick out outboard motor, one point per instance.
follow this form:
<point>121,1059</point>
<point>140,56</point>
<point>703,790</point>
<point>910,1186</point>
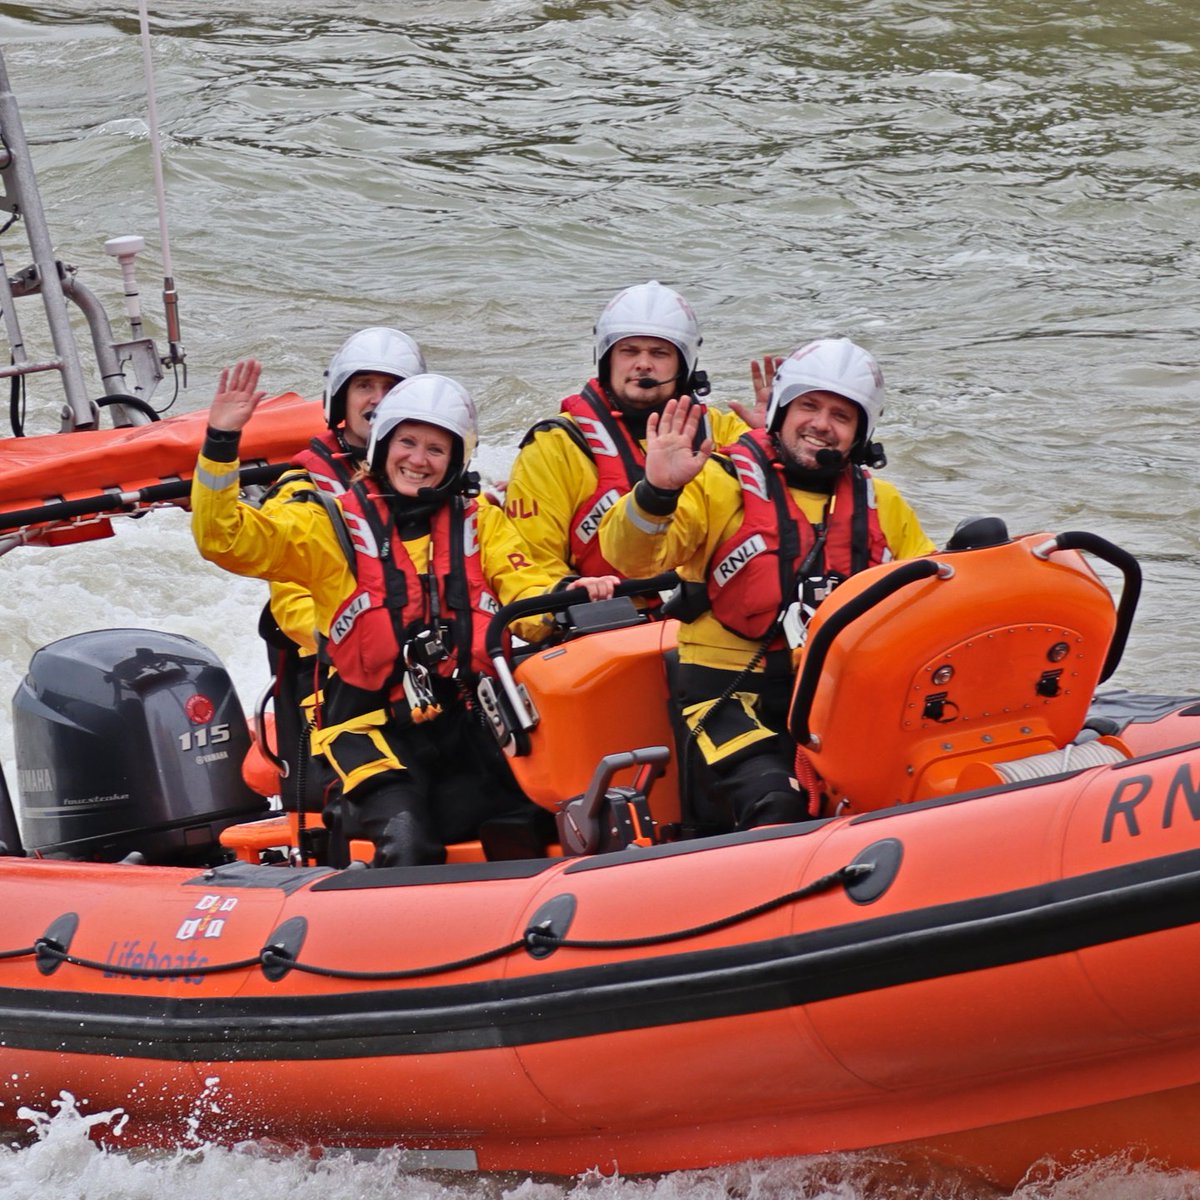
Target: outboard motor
<point>10,835</point>
<point>130,741</point>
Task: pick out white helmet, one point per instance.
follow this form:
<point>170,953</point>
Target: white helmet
<point>387,351</point>
<point>433,400</point>
<point>650,310</point>
<point>829,365</point>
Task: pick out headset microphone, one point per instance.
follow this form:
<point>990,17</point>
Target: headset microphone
<point>829,458</point>
<point>647,383</point>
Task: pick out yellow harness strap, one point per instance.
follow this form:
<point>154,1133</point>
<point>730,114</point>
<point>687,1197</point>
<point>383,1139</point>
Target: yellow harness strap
<point>368,726</point>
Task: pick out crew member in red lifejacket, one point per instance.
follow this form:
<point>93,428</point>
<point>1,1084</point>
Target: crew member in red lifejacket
<point>572,468</point>
<point>362,371</point>
<point>404,570</point>
<point>771,523</point>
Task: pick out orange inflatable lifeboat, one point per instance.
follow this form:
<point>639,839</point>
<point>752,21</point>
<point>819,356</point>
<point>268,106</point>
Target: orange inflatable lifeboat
<point>983,974</point>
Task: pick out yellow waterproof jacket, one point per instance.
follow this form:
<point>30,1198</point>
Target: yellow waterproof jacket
<point>291,604</point>
<point>551,480</point>
<point>709,512</point>
<point>296,543</point>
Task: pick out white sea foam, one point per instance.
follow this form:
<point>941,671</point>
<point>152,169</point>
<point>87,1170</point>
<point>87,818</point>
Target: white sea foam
<point>62,1157</point>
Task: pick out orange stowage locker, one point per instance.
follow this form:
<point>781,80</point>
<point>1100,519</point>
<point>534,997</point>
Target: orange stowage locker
<point>598,695</point>
<point>993,658</point>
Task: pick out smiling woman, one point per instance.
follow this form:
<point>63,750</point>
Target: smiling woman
<point>405,569</point>
<point>418,457</point>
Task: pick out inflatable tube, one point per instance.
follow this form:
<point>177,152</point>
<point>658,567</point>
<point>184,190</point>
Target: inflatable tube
<point>58,488</point>
<point>970,971</point>
<point>986,973</point>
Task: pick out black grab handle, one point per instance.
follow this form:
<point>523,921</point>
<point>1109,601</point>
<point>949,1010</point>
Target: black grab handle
<point>552,602</point>
<point>1131,589</point>
<point>911,571</point>
<point>914,570</point>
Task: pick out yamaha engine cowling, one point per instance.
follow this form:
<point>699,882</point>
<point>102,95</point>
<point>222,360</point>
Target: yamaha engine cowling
<point>130,741</point>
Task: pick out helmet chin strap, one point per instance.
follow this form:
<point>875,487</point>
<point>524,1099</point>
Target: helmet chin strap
<point>427,501</point>
<point>356,452</point>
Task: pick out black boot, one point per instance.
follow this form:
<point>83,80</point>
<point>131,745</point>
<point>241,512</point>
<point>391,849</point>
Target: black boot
<point>390,813</point>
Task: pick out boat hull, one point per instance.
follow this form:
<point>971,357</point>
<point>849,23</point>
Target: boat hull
<point>1013,977</point>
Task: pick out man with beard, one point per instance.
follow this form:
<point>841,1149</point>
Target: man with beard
<point>771,524</point>
<point>573,467</point>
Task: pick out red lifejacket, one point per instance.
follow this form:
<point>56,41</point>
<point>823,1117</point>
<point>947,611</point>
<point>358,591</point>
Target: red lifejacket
<point>754,574</point>
<point>395,599</point>
<point>329,464</point>
<point>620,463</point>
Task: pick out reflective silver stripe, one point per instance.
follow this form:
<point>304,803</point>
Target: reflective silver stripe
<point>211,480</point>
<point>645,524</point>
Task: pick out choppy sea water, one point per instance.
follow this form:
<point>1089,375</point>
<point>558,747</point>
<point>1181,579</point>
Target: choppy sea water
<point>999,200</point>
<point>62,1160</point>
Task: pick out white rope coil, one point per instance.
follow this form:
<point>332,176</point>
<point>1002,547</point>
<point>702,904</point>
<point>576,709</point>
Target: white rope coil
<point>1073,757</point>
